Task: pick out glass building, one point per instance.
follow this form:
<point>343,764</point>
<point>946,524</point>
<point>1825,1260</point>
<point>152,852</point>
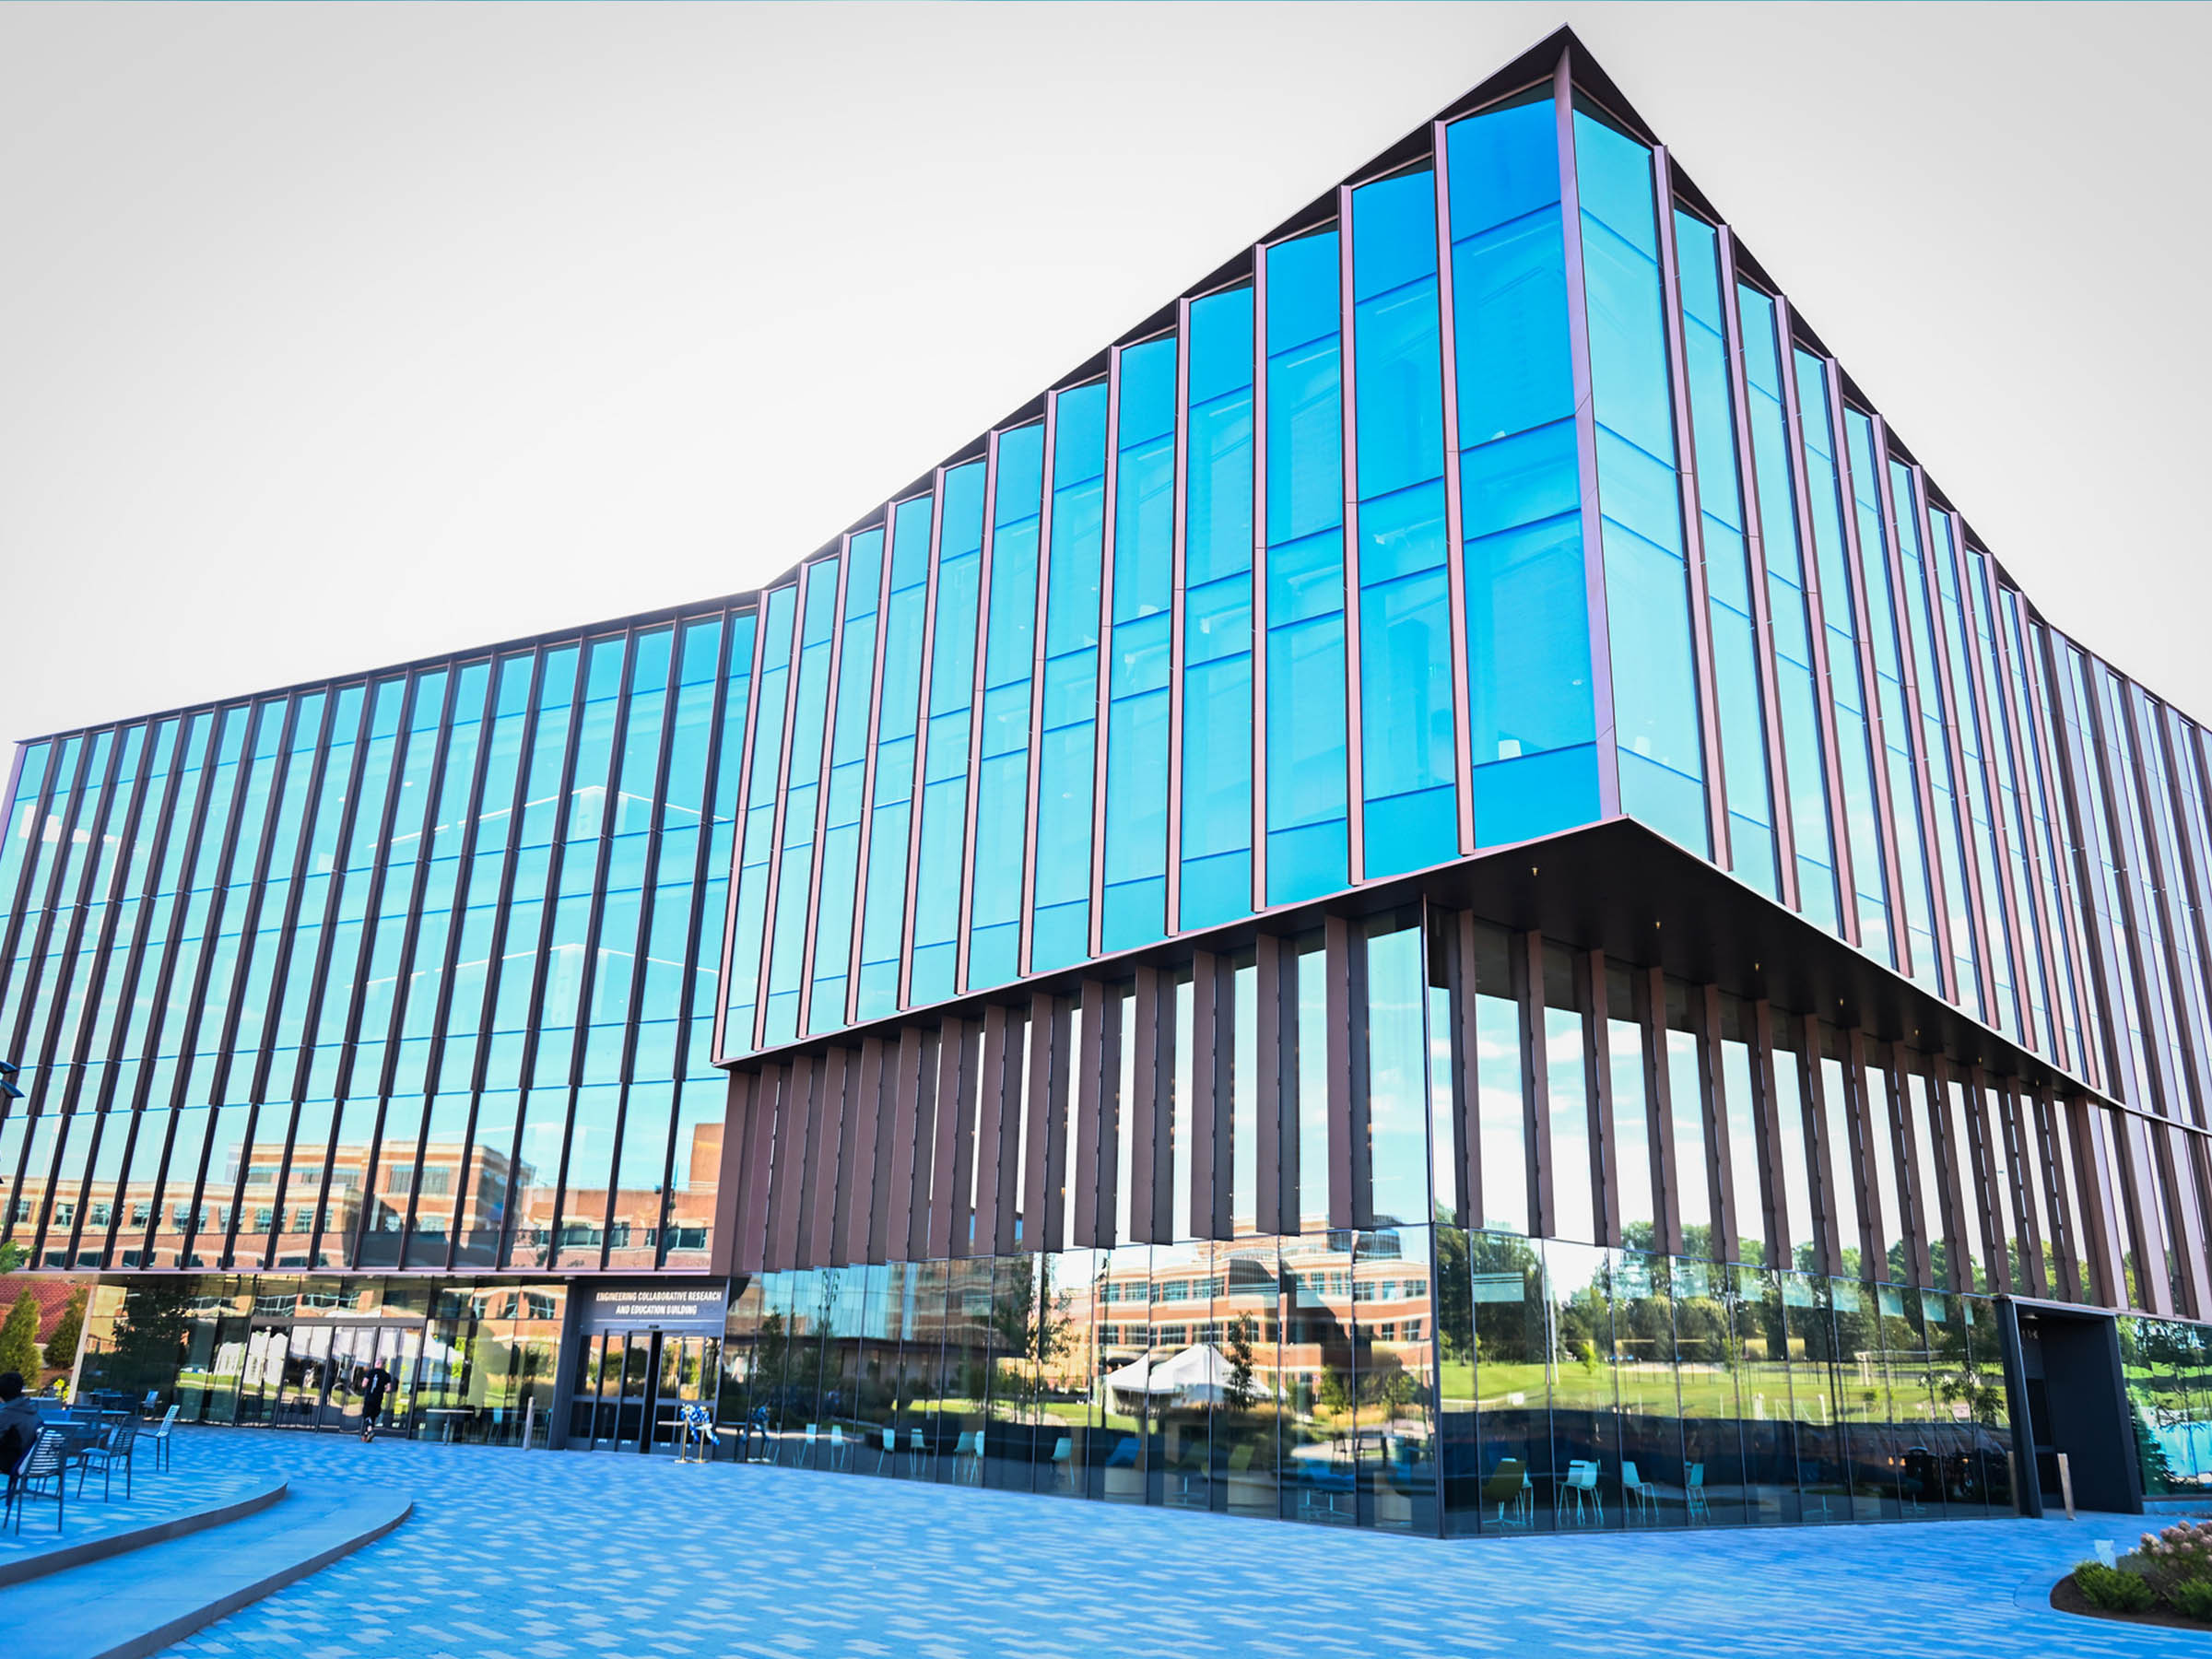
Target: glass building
<point>1442,892</point>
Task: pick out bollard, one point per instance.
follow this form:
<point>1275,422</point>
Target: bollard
<point>2065,1484</point>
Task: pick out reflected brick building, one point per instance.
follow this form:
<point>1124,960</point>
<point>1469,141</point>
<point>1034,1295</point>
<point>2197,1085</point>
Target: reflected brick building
<point>1442,891</point>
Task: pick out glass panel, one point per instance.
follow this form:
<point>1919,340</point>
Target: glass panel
<point>1137,729</point>
<point>1513,1383</point>
<point>1066,740</point>
<point>1217,627</point>
<point>1531,725</point>
<point>1321,1380</point>
<point>1410,816</point>
<point>1788,609</point>
<point>1647,577</point>
<point>1002,786</point>
<point>1727,558</point>
<point>1307,762</point>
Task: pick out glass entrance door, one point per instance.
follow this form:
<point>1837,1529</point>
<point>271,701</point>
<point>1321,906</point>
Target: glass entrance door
<point>629,1384</point>
<point>262,1376</point>
<point>352,1349</point>
<point>306,1375</point>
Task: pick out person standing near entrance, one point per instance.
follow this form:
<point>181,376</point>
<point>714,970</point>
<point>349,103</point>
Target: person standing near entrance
<point>373,1382</point>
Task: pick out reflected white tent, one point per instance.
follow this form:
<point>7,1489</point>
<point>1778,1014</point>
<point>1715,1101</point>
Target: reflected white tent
<point>1199,1375</point>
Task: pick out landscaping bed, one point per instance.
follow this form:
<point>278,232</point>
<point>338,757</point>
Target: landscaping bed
<point>2166,1580</point>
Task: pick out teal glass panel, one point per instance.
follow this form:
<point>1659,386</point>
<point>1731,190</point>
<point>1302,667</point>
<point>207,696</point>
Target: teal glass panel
<point>802,792</point>
<point>1854,747</point>
<point>1884,643</point>
<point>1137,728</point>
<point>898,729</point>
<point>742,990</point>
<point>1308,781</point>
<point>1973,781</point>
<point>1736,656</point>
<point>1788,610</point>
<point>941,861</point>
<point>1918,601</point>
<point>1409,816</point>
<point>1067,735</point>
<point>1217,618</point>
<point>1001,785</point>
<point>1532,721</point>
<point>1647,574</point>
<point>847,782</point>
<point>2011,804</point>
<point>2040,790</point>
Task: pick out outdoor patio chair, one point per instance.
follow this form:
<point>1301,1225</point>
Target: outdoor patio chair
<point>1508,1489</point>
<point>1695,1491</point>
<point>1063,1466</point>
<point>1635,1488</point>
<point>839,1450</point>
<point>161,1437</point>
<point>42,1473</point>
<point>806,1448</point>
<point>1581,1480</point>
<point>917,1450</point>
<point>106,1452</point>
<point>890,1448</point>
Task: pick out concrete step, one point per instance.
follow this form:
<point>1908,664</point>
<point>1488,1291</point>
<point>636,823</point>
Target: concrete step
<point>136,1603</point>
<point>61,1557</point>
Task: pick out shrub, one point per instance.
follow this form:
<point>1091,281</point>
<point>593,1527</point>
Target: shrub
<point>2181,1554</point>
<point>2193,1599</point>
<point>2114,1590</point>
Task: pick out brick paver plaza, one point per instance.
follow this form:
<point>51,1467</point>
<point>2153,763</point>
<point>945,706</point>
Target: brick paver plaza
<point>513,1554</point>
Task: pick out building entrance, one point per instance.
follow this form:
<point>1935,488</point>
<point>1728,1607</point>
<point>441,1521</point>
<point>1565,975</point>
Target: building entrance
<point>2077,1406</point>
<point>630,1384</point>
<point>298,1373</point>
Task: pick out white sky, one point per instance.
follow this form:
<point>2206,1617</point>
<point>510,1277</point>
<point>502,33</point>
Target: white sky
<point>333,336</point>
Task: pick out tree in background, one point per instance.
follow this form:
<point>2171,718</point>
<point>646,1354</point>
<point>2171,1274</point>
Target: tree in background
<point>61,1347</point>
<point>19,1339</point>
<point>150,1338</point>
<point>1242,1392</point>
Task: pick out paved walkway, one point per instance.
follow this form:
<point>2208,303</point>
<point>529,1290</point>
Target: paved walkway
<point>155,1496</point>
<point>514,1555</point>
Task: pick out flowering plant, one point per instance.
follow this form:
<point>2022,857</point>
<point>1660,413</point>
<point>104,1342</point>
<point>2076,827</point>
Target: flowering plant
<point>2179,1555</point>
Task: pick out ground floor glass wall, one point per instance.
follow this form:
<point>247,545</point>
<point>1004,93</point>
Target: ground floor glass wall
<point>2168,1369</point>
<point>475,1358</point>
<point>1408,1379</point>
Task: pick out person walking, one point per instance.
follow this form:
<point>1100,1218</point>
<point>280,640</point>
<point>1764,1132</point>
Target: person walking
<point>373,1382</point>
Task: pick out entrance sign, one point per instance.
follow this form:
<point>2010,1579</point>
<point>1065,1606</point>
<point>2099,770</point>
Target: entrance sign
<point>657,1305</point>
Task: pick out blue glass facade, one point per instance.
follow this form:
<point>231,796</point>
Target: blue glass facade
<point>1100,868</point>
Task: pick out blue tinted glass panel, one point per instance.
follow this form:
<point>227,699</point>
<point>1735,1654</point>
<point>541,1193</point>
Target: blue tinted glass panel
<point>944,815</point>
<point>1137,728</point>
<point>1647,575</point>
<point>1217,623</point>
<point>1308,852</point>
<point>847,782</point>
<point>891,808</point>
<point>1729,609</point>
<point>1788,611</point>
<point>1409,814</point>
<point>1002,785</point>
<point>1532,723</point>
<point>1898,736</point>
<point>1067,737</point>
<point>759,818</point>
<point>1854,747</point>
